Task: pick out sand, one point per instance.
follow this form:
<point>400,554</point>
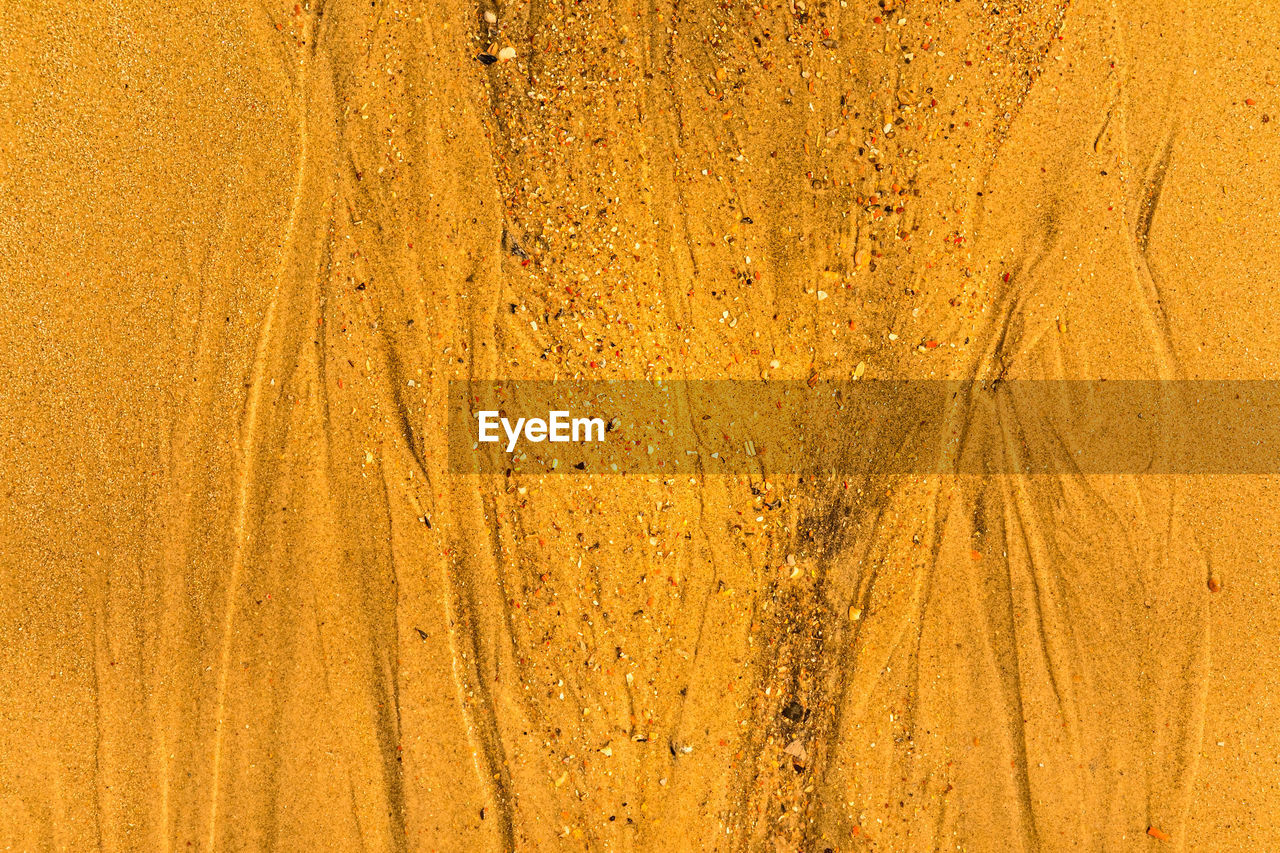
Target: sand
<point>244,248</point>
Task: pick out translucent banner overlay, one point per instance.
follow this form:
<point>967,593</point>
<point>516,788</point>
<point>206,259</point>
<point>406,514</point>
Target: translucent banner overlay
<point>696,428</point>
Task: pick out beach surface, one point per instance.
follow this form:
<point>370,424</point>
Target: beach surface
<point>246,605</point>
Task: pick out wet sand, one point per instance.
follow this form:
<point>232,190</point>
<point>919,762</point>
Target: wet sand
<point>244,249</point>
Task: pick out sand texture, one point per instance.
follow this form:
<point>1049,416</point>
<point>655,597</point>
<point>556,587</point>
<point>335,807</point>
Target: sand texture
<point>245,247</point>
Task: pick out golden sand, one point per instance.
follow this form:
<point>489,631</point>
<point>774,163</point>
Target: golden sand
<point>244,248</point>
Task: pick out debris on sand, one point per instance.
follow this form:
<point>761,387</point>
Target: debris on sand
<point>797,751</point>
<point>793,711</point>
